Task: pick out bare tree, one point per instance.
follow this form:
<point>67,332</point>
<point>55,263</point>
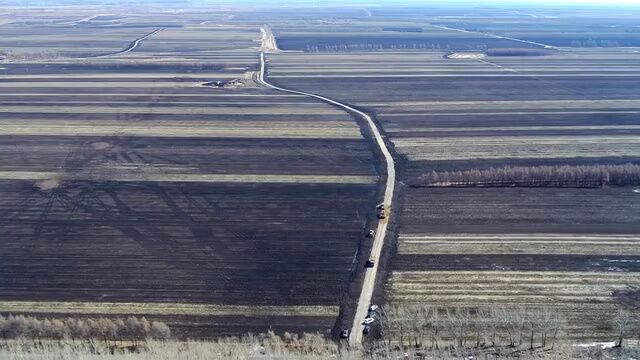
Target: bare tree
<point>435,324</point>
<point>549,323</point>
<point>13,327</point>
<point>623,323</point>
<point>539,176</point>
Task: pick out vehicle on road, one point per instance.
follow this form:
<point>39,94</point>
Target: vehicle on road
<point>368,321</point>
<point>344,334</point>
<point>370,263</point>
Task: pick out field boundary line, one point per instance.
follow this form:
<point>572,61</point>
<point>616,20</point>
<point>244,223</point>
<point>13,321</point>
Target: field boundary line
<point>142,175</point>
<point>149,308</point>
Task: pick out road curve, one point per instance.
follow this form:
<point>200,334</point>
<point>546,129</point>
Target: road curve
<point>134,44</point>
<point>381,231</point>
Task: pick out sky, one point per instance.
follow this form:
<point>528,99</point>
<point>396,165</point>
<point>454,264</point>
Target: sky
<point>603,3</point>
<point>591,3</point>
<point>267,3</point>
<point>554,2</point>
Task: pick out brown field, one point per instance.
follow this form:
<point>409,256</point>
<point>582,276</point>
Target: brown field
<point>129,188</point>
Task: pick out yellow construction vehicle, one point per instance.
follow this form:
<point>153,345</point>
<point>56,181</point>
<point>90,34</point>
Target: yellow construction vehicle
<point>382,211</point>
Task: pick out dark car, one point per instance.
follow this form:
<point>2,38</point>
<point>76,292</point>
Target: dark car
<point>344,334</point>
<point>370,264</point>
<point>371,233</point>
<point>366,330</point>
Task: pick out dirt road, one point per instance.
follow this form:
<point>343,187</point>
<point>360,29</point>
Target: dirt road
<point>381,231</point>
<point>134,44</point>
<point>268,40</point>
<point>498,37</point>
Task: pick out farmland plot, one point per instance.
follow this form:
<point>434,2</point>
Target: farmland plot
<point>29,42</point>
<point>604,27</point>
<point>568,249</point>
<point>452,114</point>
<point>128,186</point>
<point>374,34</point>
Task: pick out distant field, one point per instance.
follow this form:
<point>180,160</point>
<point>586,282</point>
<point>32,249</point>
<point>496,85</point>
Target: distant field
<point>51,40</point>
<point>369,37</point>
<point>590,28</point>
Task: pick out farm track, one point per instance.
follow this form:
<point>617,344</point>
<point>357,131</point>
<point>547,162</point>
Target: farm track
<point>134,44</point>
<point>381,230</point>
<point>498,37</point>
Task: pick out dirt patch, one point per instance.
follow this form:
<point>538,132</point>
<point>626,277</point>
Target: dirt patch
<point>268,41</point>
<point>49,184</point>
<point>628,297</point>
<point>465,55</point>
<point>101,145</point>
<point>246,82</point>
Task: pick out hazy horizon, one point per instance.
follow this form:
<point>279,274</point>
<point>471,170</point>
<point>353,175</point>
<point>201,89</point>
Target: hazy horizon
<point>336,3</point>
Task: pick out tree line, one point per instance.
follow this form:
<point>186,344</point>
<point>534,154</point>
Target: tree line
<point>26,56</point>
<point>594,43</point>
<point>517,52</point>
<point>131,328</point>
<point>392,46</point>
<point>535,176</point>
<point>408,331</point>
<point>431,327</point>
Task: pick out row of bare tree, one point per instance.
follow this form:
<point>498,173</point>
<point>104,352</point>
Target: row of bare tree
<point>131,328</point>
<point>379,46</point>
<point>536,176</point>
<point>517,52</point>
<point>424,326</point>
<point>26,56</point>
